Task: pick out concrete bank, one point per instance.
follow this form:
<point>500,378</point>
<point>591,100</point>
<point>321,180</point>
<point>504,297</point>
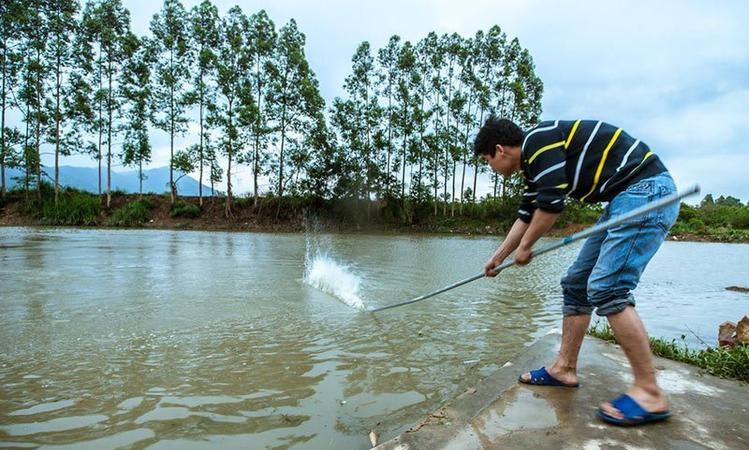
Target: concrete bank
<point>500,413</point>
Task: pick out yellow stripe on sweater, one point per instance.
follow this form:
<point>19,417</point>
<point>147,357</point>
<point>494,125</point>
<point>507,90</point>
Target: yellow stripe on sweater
<point>597,178</point>
<point>545,148</point>
<point>572,133</point>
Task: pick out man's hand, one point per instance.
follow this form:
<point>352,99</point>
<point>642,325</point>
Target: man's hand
<point>493,262</point>
<point>523,256</point>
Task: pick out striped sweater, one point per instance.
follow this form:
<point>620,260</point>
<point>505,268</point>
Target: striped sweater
<point>585,159</point>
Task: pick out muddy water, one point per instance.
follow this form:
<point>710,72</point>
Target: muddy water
<point>168,339</point>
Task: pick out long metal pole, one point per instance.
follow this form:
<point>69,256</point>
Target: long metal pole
<point>569,239</point>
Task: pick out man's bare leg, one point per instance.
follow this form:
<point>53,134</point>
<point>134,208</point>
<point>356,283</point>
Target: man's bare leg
<point>564,367</point>
<point>631,335</point>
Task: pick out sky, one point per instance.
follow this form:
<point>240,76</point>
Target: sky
<point>674,74</point>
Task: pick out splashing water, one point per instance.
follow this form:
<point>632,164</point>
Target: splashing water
<point>324,273</point>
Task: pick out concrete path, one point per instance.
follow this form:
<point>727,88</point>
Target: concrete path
<point>708,413</point>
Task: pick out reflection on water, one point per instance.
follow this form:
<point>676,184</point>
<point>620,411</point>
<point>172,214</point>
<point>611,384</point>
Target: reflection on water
<point>167,339</point>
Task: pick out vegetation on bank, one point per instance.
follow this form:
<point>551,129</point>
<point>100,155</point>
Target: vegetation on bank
<point>724,219</point>
<point>722,362</point>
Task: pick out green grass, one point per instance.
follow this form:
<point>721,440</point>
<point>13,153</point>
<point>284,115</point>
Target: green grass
<point>73,207</point>
<point>184,209</point>
<point>721,362</point>
<point>133,214</point>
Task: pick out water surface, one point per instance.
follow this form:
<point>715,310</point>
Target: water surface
<point>196,340</point>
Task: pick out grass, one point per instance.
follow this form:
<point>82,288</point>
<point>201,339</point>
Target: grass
<point>73,208</point>
<point>184,209</point>
<point>722,362</point>
<point>133,214</point>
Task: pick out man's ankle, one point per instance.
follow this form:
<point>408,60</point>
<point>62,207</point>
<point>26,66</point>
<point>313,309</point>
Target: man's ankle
<point>564,366</point>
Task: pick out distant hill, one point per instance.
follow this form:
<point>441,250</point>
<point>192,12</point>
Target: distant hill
<point>87,179</point>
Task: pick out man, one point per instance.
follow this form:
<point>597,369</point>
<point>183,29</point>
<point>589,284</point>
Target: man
<point>594,162</point>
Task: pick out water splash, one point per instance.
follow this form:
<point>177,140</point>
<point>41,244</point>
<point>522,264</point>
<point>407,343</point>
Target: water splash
<point>326,274</point>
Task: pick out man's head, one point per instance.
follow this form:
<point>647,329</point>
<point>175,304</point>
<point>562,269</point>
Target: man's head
<point>498,142</point>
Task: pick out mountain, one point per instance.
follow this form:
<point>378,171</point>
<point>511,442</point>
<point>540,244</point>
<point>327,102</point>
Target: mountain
<point>87,179</point>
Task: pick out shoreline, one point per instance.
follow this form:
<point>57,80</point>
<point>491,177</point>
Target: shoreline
<point>363,231</point>
<point>291,215</point>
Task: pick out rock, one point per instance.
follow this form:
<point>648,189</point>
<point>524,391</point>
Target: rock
<point>738,289</point>
<point>727,334</point>
<point>742,330</point>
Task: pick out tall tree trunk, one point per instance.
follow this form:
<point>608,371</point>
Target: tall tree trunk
<point>37,144</point>
<point>421,142</point>
<point>227,210</point>
<point>436,150</point>
<point>172,188</point>
<point>476,163</point>
<point>57,127</point>
<point>140,178</point>
<point>99,125</point>
<point>255,162</point>
<point>2,128</point>
<point>405,151</point>
<point>283,141</point>
<point>390,135</point>
<point>465,147</point>
<point>452,198</point>
<point>447,132</point>
<point>109,135</point>
<point>200,148</point>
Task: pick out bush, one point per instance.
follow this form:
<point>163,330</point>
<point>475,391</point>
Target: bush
<point>73,207</point>
<point>184,209</point>
<point>132,214</point>
<point>696,225</point>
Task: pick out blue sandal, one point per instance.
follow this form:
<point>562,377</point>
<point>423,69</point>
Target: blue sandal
<point>633,413</point>
<point>541,377</point>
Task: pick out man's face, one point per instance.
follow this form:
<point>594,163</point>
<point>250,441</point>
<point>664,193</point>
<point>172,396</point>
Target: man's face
<point>499,162</point>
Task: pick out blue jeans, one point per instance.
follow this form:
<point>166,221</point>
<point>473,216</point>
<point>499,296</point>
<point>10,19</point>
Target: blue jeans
<point>610,263</point>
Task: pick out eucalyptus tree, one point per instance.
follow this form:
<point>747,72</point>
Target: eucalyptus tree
<point>61,27</point>
<point>233,93</point>
<point>90,72</point>
<point>387,58</point>
<point>135,89</point>
<point>421,116</point>
<point>436,51</point>
<point>295,103</point>
<point>107,24</point>
<point>345,119</point>
<point>204,39</point>
<point>357,119</point>
<point>172,62</point>
<point>34,33</point>
<point>405,98</point>
<point>528,90</point>
<point>12,16</point>
<point>483,59</point>
<point>80,99</point>
<point>262,41</point>
<point>465,115</point>
<point>453,50</point>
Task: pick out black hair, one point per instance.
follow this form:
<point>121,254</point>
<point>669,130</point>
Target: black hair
<point>496,131</point>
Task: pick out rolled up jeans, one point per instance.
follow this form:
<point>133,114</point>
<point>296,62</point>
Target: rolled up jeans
<point>611,262</point>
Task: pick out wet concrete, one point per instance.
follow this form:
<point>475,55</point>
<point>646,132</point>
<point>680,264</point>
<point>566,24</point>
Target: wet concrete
<point>500,413</point>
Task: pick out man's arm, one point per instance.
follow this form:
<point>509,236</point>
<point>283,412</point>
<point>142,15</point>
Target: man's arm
<point>541,223</point>
<point>509,244</point>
